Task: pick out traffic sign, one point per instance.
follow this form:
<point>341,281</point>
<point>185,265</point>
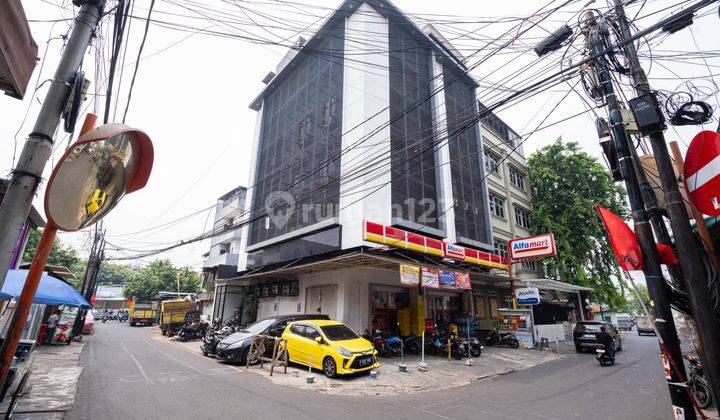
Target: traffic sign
<point>702,172</point>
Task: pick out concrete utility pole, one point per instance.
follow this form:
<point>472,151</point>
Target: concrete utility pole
<point>652,269</point>
<point>686,245</point>
<point>97,254</point>
<point>26,176</point>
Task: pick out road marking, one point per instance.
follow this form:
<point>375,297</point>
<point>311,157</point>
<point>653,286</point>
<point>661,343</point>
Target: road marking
<point>176,359</point>
<point>142,371</point>
<point>226,365</point>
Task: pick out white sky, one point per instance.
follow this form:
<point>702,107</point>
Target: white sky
<point>192,94</point>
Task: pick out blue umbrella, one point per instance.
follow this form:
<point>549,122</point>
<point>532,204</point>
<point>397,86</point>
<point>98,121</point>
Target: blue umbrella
<point>51,291</point>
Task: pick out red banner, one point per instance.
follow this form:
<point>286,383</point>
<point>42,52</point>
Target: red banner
<point>623,240</point>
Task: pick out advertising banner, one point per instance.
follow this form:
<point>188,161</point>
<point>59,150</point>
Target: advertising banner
<point>447,279</point>
<point>462,280</point>
<point>430,278</point>
<point>409,274</point>
<point>527,296</point>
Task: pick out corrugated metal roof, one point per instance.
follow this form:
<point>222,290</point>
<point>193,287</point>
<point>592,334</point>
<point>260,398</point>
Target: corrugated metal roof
<point>18,50</point>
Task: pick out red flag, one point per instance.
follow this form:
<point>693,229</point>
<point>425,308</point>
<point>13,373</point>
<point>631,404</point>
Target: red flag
<point>623,240</point>
<point>667,256</point>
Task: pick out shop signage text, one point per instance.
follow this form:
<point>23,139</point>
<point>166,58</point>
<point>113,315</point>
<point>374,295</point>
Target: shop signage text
<point>398,238</point>
<point>532,247</point>
<point>527,296</point>
<point>409,274</point>
<point>430,278</point>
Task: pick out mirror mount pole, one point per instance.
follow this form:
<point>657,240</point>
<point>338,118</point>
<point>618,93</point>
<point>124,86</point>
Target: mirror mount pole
<point>24,302</point>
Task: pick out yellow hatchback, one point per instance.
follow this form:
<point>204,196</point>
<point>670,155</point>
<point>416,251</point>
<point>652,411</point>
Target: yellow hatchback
<point>329,345</point>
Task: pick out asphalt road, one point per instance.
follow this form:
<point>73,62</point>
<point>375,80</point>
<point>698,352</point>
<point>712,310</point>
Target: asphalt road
<point>130,374</point>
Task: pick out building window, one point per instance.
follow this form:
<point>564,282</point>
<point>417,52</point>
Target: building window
<point>414,192</point>
<point>529,265</point>
<point>464,144</point>
<point>517,178</point>
<point>492,163</point>
<point>500,248</point>
<point>300,139</point>
<point>522,217</point>
<point>497,205</point>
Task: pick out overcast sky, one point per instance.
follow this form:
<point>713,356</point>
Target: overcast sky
<point>192,94</point>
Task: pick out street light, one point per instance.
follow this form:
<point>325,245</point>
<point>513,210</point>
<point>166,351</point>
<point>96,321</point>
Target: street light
<point>89,180</point>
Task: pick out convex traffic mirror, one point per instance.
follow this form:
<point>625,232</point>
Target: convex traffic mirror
<point>95,173</point>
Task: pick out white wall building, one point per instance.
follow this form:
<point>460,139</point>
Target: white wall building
<point>225,248</point>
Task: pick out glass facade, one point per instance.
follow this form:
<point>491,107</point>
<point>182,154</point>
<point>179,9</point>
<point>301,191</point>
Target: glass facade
<point>300,135</point>
<point>414,192</point>
<point>464,144</point>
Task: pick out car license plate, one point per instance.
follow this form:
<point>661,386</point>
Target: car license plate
<point>600,351</point>
<point>364,361</point>
<point>588,336</point>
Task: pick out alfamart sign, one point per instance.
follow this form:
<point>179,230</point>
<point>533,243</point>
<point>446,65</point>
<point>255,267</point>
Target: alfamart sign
<point>531,248</point>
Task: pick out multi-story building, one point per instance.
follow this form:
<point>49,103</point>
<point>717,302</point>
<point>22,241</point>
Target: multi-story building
<point>509,194</point>
<point>368,160</point>
<point>222,258</point>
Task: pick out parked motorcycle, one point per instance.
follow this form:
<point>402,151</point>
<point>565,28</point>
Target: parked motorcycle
<point>439,345</point>
<point>412,345</point>
<point>699,386</point>
<point>378,341</point>
<point>603,357</point>
<point>104,318</point>
<point>475,347</point>
<point>502,338</point>
<point>212,339</point>
<point>193,331</point>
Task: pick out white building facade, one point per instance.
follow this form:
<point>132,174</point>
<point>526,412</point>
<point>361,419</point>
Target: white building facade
<point>367,156</point>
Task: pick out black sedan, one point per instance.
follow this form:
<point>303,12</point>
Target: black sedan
<point>585,335</point>
<point>234,348</point>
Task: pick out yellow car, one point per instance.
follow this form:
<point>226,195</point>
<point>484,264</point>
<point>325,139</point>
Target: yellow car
<point>96,201</point>
<point>330,346</point>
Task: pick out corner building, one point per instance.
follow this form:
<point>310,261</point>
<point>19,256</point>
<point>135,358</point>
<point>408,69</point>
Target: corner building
<point>366,157</point>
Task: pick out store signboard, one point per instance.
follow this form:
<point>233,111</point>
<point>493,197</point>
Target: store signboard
<point>462,280</point>
<point>455,251</point>
<point>398,238</point>
<point>409,274</point>
<point>447,279</point>
<point>531,248</point>
<point>430,278</point>
<point>527,296</point>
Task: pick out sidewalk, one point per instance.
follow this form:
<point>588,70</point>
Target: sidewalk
<point>441,373</point>
<point>53,383</point>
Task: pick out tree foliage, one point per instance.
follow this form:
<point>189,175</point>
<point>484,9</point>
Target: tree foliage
<point>566,184</point>
<point>116,274</point>
<point>160,275</point>
<point>65,256</point>
<point>635,305</point>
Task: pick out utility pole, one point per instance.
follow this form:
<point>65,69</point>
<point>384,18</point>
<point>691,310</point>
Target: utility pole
<point>27,174</point>
<point>91,272</point>
<point>686,245</point>
<point>594,33</point>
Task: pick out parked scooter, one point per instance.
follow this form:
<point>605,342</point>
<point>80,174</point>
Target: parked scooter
<point>212,339</point>
<point>603,357</point>
<point>193,331</point>
<point>412,345</point>
<point>475,347</point>
<point>502,338</point>
<point>378,341</point>
<point>699,386</point>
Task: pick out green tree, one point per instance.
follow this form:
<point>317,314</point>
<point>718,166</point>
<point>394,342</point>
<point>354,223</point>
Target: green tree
<point>161,275</point>
<point>116,273</point>
<point>65,256</point>
<point>635,304</point>
<point>566,184</point>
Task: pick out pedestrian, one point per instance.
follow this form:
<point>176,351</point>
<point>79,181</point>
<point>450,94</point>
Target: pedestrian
<point>51,326</point>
